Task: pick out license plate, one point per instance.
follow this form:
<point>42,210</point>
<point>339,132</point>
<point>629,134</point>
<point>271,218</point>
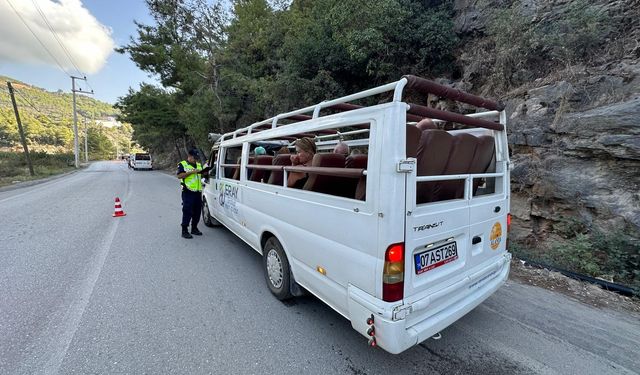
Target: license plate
<point>430,259</point>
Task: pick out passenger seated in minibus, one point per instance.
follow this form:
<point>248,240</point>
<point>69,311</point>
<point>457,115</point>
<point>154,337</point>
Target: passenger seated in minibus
<point>305,150</point>
<point>342,149</point>
<point>259,151</point>
<point>426,123</point>
<point>283,151</point>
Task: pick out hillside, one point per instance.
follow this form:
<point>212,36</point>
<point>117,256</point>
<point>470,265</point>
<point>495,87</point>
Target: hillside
<point>47,118</point>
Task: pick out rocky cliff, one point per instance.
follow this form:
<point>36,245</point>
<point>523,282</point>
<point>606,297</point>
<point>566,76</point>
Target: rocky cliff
<point>574,124</point>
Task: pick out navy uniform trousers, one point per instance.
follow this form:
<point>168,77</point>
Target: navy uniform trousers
<point>191,208</point>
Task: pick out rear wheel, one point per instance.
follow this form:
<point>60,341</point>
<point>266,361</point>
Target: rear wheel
<point>276,269</point>
<point>206,215</point>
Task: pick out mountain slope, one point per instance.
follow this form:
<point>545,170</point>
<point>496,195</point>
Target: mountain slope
<point>47,118</point>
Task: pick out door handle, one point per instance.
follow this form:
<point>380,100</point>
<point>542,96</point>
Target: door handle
<point>476,240</point>
<point>497,209</point>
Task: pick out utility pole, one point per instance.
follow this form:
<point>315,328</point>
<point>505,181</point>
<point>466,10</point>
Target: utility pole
<point>76,151</point>
<point>22,137</point>
<point>86,149</point>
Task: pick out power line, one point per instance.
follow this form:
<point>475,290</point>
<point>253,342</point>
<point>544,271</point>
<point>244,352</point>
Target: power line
<point>60,42</point>
<point>88,84</point>
<point>34,34</point>
<point>28,101</point>
<point>55,35</point>
<point>23,96</point>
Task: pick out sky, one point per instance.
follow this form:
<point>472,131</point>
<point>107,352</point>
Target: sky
<point>88,29</point>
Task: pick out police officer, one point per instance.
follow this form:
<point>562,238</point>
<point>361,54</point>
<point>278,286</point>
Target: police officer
<point>190,173</point>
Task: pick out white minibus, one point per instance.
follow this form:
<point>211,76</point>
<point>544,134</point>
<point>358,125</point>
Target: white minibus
<point>402,233</point>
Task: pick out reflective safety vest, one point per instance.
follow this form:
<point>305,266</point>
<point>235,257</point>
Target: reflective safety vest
<point>191,182</point>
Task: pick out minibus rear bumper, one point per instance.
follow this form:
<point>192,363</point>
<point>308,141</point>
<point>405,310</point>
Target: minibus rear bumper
<point>399,327</point>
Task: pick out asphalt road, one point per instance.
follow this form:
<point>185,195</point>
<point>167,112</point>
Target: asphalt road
<point>82,292</point>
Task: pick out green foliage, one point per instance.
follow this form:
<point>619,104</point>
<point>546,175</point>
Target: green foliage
<point>613,254</point>
<point>153,112</point>
<point>578,254</point>
<point>525,45</point>
<point>261,59</point>
<point>576,35</point>
<point>47,120</point>
<point>14,168</point>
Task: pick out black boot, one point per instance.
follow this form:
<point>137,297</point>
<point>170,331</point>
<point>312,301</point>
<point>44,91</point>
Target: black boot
<point>185,232</point>
<point>194,230</point>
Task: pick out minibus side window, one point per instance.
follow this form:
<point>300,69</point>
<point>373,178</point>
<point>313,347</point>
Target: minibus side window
<point>232,157</point>
<point>212,162</point>
<point>337,167</point>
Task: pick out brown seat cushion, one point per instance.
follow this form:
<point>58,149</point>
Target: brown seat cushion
<point>413,140</point>
<point>276,177</point>
<point>332,185</point>
<point>433,154</point>
<point>461,157</point>
<point>357,186</point>
<point>259,175</point>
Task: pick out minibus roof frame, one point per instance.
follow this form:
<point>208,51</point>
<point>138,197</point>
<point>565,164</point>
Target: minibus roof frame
<point>414,112</point>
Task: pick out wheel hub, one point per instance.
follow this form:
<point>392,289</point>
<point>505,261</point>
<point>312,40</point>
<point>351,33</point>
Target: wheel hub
<point>274,268</point>
<point>205,209</point>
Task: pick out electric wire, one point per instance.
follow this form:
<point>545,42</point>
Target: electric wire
<point>40,41</point>
<point>60,42</point>
<point>26,99</point>
<point>30,103</point>
<point>55,35</point>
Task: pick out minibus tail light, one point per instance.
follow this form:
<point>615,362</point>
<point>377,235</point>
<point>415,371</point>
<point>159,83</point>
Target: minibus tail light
<point>393,273</point>
<point>508,222</point>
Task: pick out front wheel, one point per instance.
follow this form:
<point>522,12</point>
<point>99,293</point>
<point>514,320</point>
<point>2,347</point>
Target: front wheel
<point>276,269</point>
<point>206,216</point>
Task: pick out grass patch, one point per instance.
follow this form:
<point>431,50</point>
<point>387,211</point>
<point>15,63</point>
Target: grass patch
<point>613,255</point>
<point>14,169</point>
<point>529,46</point>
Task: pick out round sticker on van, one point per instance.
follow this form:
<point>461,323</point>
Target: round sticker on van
<point>496,236</point>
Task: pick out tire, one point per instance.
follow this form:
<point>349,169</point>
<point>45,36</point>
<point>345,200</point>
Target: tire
<point>206,216</point>
<point>276,269</point>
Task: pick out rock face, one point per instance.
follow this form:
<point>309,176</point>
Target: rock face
<point>575,135</point>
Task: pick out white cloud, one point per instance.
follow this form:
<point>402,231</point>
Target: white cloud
<point>88,41</point>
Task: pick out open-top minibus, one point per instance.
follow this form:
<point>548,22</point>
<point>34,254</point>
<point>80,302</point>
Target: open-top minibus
<point>402,235</point>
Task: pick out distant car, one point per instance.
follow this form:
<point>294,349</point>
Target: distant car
<point>141,161</point>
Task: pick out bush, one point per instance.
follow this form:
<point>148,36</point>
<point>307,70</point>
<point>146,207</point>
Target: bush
<point>578,34</point>
<point>526,47</point>
<point>13,166</point>
<point>612,255</point>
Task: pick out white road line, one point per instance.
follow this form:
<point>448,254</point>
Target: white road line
<point>71,319</point>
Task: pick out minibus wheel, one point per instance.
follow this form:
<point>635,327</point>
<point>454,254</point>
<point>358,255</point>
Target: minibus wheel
<point>276,269</point>
<point>206,215</point>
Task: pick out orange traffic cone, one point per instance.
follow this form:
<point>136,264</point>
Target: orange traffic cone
<point>118,210</point>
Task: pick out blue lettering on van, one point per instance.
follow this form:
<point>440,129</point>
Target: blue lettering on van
<point>228,194</point>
